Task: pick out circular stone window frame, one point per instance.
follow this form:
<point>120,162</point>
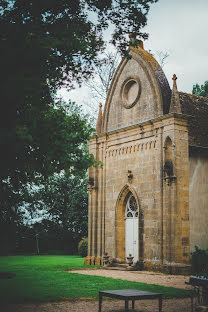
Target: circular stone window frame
<point>124,91</point>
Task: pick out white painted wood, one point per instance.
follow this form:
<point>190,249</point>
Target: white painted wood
<point>131,237</point>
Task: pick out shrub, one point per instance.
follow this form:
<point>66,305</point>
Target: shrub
<point>82,247</point>
<point>199,261</point>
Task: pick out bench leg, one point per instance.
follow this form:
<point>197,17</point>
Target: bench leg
<point>133,305</point>
<point>160,304</point>
<point>126,305</point>
<point>100,302</point>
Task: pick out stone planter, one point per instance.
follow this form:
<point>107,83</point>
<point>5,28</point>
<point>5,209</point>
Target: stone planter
<point>106,259</point>
<point>130,260</point>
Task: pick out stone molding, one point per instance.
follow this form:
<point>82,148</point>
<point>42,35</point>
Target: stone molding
<point>131,148</point>
<point>155,123</point>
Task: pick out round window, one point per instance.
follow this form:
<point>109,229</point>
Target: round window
<point>130,92</point>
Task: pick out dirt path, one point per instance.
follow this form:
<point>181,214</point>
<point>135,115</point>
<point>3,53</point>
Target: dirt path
<point>169,305</point>
<point>177,281</point>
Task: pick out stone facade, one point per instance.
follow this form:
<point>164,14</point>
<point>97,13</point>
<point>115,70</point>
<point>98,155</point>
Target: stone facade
<point>142,140</point>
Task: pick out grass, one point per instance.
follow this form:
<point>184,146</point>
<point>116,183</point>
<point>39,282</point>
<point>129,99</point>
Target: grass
<point>43,278</point>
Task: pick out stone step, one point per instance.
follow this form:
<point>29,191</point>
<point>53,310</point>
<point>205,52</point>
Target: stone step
<point>120,267</point>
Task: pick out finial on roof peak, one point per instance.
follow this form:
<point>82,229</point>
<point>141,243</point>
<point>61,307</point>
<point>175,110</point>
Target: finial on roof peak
<point>174,81</point>
<point>174,77</point>
<point>134,42</point>
<point>99,120</point>
<point>175,106</point>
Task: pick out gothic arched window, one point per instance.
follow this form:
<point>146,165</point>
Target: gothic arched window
<point>131,207</point>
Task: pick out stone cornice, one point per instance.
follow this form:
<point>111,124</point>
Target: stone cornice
<point>178,116</point>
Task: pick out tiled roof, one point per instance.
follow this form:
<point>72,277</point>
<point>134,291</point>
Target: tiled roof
<point>197,107</point>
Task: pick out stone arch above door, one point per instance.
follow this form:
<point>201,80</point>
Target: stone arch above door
<point>123,197</point>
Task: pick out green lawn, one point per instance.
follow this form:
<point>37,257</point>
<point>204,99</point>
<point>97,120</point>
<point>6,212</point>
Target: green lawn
<point>43,278</point>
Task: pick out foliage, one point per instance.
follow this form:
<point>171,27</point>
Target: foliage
<point>201,90</point>
<point>103,75</point>
<point>52,238</point>
<point>10,217</point>
<point>83,247</point>
<point>64,200</point>
<point>48,44</point>
<point>199,261</point>
<point>45,45</point>
<point>160,56</point>
<point>99,84</point>
<point>45,278</point>
<point>56,140</point>
<point>61,143</point>
<point>50,141</point>
<point>69,33</point>
<point>55,214</point>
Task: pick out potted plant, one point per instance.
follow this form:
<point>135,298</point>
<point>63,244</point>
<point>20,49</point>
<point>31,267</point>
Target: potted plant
<point>130,259</point>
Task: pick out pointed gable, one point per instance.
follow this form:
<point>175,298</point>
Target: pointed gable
<point>138,92</point>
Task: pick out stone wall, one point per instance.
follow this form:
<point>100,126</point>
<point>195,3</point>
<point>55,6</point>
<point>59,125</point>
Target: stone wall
<point>162,199</point>
<point>198,198</point>
<point>144,151</point>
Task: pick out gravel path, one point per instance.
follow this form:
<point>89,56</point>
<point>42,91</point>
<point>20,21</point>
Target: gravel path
<point>169,305</point>
<point>177,281</point>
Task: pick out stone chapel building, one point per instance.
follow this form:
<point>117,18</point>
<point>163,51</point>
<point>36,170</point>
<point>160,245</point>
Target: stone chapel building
<point>150,197</point>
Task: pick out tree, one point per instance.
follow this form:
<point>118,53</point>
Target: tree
<point>100,82</point>
<point>201,90</point>
<point>160,56</point>
<point>45,45</point>
<point>50,142</point>
<point>103,75</point>
<point>60,204</point>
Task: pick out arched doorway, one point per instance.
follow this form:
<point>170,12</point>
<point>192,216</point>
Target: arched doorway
<point>128,212</point>
<point>131,228</point>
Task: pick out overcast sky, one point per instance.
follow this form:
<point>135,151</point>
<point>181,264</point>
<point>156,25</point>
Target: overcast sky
<point>179,27</point>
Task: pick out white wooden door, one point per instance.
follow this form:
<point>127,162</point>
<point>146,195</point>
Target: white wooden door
<point>131,237</point>
<point>131,228</point>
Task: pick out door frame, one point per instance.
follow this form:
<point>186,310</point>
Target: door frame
<point>120,223</point>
